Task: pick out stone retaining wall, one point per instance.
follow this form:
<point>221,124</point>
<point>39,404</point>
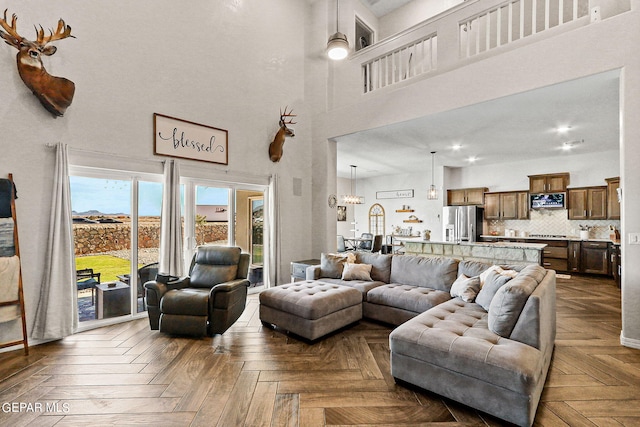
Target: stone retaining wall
<point>99,238</point>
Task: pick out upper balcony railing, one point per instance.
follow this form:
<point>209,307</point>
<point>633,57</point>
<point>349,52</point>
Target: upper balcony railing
<point>457,36</point>
<point>516,20</point>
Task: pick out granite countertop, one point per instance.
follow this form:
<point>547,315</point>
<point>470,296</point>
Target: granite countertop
<point>571,238</point>
<point>514,245</point>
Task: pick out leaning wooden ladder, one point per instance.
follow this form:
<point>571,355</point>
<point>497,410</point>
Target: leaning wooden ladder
<point>20,301</point>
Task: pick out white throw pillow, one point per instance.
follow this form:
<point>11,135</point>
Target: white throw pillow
<point>483,276</point>
<point>466,288</point>
<point>357,272</point>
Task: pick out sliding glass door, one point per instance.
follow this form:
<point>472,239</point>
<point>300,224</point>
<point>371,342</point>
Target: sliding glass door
<point>116,226</point>
<point>227,214</point>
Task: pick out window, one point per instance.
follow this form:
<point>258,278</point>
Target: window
<point>376,219</point>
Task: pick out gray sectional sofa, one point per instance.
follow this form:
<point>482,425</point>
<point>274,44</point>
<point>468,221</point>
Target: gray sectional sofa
<point>491,353</point>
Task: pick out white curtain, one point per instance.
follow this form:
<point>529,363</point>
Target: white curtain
<point>57,314</point>
<point>171,257</point>
<point>274,242</point>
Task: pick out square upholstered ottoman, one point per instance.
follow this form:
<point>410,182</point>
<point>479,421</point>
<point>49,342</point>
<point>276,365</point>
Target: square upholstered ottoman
<point>310,309</point>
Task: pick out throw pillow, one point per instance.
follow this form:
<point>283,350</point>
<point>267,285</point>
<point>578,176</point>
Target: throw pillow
<point>357,272</point>
<point>507,304</point>
<point>466,288</point>
<point>493,282</point>
<point>332,265</point>
<point>497,269</point>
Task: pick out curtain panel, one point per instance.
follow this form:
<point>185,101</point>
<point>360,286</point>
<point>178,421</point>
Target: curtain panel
<point>171,256</point>
<point>56,315</point>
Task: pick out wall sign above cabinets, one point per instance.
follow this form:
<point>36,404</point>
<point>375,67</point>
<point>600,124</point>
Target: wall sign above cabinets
<point>394,194</point>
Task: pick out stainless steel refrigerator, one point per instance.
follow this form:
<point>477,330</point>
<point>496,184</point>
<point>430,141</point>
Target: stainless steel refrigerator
<point>462,223</point>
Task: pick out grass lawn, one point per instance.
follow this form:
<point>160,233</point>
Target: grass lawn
<point>108,265</point>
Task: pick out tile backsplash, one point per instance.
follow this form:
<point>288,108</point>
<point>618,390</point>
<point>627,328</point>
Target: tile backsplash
<point>553,222</point>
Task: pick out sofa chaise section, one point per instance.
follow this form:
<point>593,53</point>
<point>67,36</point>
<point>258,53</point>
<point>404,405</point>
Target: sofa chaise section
<point>451,350</point>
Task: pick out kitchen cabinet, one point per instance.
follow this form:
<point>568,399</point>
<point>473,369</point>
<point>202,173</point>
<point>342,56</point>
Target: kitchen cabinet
<point>616,263</point>
<point>587,203</point>
<point>466,196</point>
<point>594,257</point>
<point>613,203</point>
<point>573,261</point>
<point>549,183</point>
<point>506,205</point>
<point>555,255</point>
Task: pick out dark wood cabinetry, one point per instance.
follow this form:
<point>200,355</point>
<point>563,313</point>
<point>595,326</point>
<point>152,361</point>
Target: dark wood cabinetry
<point>555,255</point>
<point>587,203</point>
<point>616,263</point>
<point>613,204</point>
<point>507,205</point>
<point>466,196</point>
<point>573,260</point>
<point>594,257</point>
<point>548,183</point>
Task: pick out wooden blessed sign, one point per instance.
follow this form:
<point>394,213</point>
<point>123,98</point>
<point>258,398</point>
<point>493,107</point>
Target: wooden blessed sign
<point>180,138</point>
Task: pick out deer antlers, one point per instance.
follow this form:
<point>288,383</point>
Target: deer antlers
<point>10,30</point>
<point>282,116</point>
<point>62,32</point>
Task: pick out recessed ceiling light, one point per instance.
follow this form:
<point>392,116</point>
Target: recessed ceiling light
<point>563,129</point>
<point>456,147</point>
<point>472,159</point>
<point>567,146</point>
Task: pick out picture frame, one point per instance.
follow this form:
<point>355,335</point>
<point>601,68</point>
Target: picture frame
<point>188,140</point>
<point>342,213</point>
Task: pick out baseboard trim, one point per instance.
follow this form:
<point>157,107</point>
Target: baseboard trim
<point>629,342</point>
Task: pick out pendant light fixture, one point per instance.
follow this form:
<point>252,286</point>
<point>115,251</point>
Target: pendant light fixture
<point>337,46</point>
<point>433,191</point>
<point>352,199</point>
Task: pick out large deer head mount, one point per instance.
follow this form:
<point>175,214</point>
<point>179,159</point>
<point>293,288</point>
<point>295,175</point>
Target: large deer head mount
<point>55,93</point>
<point>275,148</point>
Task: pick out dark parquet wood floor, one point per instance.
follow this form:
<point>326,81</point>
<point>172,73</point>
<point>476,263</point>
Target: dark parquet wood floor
<point>255,376</point>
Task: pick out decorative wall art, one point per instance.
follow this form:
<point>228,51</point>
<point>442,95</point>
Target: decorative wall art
<point>180,138</point>
<point>54,93</point>
<point>276,147</point>
<point>394,194</point>
<point>342,213</point>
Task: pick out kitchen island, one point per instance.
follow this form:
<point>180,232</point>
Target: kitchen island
<point>489,252</point>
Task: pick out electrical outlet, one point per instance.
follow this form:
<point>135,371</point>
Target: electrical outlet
<point>634,238</point>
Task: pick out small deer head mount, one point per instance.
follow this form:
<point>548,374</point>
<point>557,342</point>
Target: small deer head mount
<point>55,93</point>
<point>275,148</point>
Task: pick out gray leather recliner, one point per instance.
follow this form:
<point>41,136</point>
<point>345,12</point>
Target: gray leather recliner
<point>208,301</point>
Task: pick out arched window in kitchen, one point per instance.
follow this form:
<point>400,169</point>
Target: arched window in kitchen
<point>376,219</point>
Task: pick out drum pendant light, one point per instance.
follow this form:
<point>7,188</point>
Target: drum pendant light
<point>338,45</point>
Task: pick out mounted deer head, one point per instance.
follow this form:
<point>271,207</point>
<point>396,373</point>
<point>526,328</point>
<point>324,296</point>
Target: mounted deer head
<point>55,93</point>
<point>275,148</point>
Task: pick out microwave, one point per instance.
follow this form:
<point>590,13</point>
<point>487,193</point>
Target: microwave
<point>548,201</point>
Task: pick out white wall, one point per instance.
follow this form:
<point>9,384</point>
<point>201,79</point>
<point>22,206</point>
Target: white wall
<point>428,211</point>
<point>226,64</point>
<point>411,14</point>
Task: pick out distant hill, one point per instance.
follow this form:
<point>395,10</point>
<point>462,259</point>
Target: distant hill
<point>94,212</point>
